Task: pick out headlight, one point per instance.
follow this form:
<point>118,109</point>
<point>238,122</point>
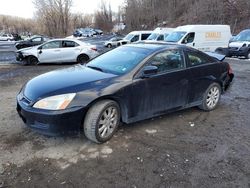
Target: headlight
<point>57,102</point>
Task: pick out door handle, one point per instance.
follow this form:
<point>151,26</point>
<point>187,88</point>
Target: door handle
<point>194,44</point>
<point>57,50</point>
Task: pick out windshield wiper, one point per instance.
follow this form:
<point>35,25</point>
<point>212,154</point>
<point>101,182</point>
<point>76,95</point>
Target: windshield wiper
<point>96,68</point>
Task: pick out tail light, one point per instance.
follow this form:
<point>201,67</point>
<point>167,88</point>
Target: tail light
<point>230,70</point>
<point>94,48</point>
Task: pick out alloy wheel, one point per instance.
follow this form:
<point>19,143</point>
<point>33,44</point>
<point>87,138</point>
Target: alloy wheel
<point>107,122</point>
<point>213,97</point>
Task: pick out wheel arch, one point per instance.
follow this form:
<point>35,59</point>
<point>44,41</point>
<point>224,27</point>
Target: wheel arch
<point>83,54</point>
<point>121,104</point>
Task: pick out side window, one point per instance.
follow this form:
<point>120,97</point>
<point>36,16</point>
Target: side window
<point>52,45</point>
<point>189,38</point>
<point>168,60</point>
<point>38,39</point>
<point>196,59</point>
<point>69,44</point>
<point>160,37</point>
<point>135,38</point>
<point>144,36</point>
<point>46,39</point>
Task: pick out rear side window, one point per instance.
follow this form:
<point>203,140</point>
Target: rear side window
<point>38,39</point>
<point>69,44</point>
<point>195,58</point>
<point>144,36</point>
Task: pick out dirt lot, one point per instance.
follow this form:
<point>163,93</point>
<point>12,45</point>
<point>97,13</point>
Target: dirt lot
<point>189,148</point>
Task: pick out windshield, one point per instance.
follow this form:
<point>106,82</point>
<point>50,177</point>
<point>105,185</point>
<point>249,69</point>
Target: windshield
<point>243,36</point>
<point>129,37</point>
<point>120,60</point>
<point>153,36</point>
<point>175,36</point>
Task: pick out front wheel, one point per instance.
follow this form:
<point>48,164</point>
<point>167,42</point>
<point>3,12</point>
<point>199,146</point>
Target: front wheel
<point>247,56</point>
<point>109,45</point>
<point>211,97</point>
<point>32,60</point>
<point>102,121</point>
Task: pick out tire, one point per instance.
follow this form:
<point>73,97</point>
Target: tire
<point>109,45</point>
<point>32,60</point>
<point>211,97</point>
<point>247,56</point>
<point>102,121</point>
<point>83,58</point>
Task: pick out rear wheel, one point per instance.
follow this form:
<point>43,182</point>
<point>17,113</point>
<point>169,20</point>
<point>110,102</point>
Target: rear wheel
<point>109,46</point>
<point>83,58</point>
<point>102,121</point>
<point>32,60</point>
<point>211,97</point>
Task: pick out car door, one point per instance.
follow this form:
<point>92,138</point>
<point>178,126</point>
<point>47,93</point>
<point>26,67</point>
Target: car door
<point>204,70</point>
<point>69,51</point>
<point>49,52</point>
<point>163,91</point>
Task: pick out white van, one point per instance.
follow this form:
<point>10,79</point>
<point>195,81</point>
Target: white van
<point>202,37</point>
<point>134,36</point>
<point>160,33</point>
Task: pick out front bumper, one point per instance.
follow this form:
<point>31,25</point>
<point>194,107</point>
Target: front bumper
<point>19,56</point>
<point>51,123</point>
<point>238,51</point>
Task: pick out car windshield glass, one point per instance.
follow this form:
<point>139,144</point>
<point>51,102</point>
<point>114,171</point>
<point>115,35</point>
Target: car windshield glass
<point>153,36</point>
<point>175,36</point>
<point>129,37</point>
<point>120,60</point>
<point>243,36</point>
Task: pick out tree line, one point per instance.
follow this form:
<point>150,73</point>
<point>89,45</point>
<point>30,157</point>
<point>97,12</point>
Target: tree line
<point>55,17</point>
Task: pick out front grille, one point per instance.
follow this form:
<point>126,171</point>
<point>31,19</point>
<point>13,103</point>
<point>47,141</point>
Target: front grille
<point>234,48</point>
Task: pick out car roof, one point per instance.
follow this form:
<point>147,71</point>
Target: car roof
<point>157,45</point>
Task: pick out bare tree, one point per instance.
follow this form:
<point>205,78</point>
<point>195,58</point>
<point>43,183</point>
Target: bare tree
<point>53,16</point>
<point>103,17</point>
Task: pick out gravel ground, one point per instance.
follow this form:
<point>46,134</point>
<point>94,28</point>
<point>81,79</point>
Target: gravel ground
<point>189,148</point>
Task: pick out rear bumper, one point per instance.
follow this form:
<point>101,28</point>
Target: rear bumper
<point>228,81</point>
<point>51,123</point>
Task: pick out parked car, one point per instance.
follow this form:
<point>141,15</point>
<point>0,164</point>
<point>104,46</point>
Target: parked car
<point>58,51</point>
<point>201,37</point>
<point>134,36</point>
<point>128,84</point>
<point>160,34</point>
<point>87,32</point>
<point>240,46</point>
<point>6,37</point>
<point>112,42</point>
<point>33,41</point>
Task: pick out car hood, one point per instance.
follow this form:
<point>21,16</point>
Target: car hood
<point>238,44</point>
<point>27,49</point>
<point>70,80</point>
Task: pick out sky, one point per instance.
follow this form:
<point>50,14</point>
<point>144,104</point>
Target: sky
<point>25,8</point>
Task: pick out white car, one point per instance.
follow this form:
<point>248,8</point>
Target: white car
<point>6,37</point>
<point>134,36</point>
<point>58,51</point>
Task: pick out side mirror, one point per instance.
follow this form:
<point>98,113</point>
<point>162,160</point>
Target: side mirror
<point>149,71</point>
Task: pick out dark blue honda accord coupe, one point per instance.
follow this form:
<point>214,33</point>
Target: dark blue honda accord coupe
<point>128,84</point>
